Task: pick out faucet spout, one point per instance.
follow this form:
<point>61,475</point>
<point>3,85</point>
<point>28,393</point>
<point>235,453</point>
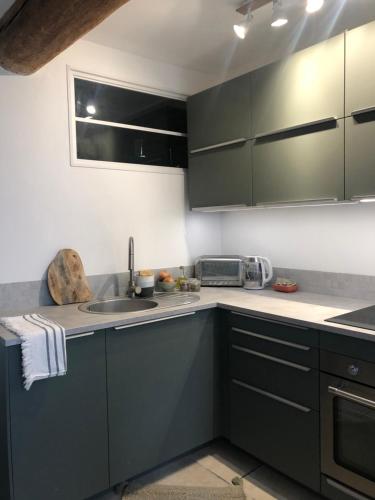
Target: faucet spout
<point>131,287</point>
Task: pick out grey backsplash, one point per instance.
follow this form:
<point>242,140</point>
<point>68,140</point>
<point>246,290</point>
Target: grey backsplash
<point>337,284</point>
<point>29,294</point>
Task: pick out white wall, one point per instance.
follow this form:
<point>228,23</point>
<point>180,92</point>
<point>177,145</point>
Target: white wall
<point>46,205</point>
<point>333,238</point>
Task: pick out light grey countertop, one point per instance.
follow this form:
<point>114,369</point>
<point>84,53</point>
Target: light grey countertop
<point>300,308</point>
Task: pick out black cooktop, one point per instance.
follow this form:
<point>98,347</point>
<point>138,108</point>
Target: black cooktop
<point>362,318</point>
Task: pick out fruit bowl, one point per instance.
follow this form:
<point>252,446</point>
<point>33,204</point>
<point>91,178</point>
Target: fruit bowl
<point>166,286</point>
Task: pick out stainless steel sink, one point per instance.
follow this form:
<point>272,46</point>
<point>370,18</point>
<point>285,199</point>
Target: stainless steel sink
<point>117,306</point>
<point>123,305</point>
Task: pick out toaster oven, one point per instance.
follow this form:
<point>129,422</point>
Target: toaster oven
<point>220,270</point>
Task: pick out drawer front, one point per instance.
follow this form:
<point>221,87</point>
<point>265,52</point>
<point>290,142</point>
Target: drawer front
<point>292,381</point>
<point>290,351</point>
<point>279,330</point>
<point>282,435</point>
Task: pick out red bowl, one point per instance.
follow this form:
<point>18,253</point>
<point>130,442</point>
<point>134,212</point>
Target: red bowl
<point>285,288</point>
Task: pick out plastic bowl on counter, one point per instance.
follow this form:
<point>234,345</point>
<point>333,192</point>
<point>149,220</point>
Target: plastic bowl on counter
<point>166,286</point>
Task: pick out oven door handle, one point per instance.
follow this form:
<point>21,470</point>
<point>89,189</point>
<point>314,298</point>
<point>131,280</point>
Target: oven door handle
<point>351,397</point>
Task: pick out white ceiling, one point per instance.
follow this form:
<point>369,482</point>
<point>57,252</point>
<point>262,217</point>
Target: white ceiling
<point>198,34</point>
<point>4,6</point>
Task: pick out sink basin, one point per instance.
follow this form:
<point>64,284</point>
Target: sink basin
<point>117,306</point>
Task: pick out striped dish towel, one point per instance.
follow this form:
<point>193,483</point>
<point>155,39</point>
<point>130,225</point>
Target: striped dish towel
<point>43,346</point>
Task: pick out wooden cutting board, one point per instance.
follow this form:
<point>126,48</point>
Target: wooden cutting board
<point>67,281</point>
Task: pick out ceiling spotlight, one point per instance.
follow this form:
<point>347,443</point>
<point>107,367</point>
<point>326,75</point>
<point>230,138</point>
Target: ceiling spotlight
<point>314,5</point>
<point>279,17</point>
<point>241,29</point>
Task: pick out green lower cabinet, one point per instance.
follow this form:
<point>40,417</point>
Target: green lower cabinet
<point>360,156</point>
<point>163,392</point>
<point>58,429</point>
<point>283,436</point>
<point>221,177</point>
<point>308,167</point>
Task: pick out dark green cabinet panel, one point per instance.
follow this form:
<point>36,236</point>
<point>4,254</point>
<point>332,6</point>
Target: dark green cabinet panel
<point>300,168</point>
<point>221,177</point>
<point>163,392</point>
<point>5,454</point>
<point>360,68</point>
<point>360,156</point>
<point>220,114</point>
<point>306,87</point>
<point>275,374</point>
<point>282,436</point>
<point>59,438</point>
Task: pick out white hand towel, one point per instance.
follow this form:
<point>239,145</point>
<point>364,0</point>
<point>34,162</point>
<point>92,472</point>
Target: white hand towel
<point>43,346</point>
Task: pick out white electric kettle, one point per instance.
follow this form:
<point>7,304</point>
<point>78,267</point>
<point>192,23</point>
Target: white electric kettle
<point>257,272</point>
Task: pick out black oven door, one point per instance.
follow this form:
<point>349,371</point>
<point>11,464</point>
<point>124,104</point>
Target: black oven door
<point>348,433</point>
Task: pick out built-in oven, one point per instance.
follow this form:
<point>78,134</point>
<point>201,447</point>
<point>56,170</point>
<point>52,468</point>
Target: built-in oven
<point>347,427</point>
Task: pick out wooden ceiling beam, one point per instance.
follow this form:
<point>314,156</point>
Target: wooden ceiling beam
<point>257,4</point>
<point>33,32</point>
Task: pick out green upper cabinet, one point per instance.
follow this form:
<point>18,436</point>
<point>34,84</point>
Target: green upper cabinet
<point>360,112</point>
<point>307,87</point>
<point>220,114</point>
<point>301,168</point>
<point>221,177</point>
<point>360,69</point>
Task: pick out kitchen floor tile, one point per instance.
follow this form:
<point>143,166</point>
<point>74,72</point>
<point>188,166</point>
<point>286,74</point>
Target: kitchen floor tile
<point>183,472</point>
<point>267,484</point>
<point>226,461</point>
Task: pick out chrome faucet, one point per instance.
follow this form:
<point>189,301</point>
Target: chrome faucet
<point>131,286</point>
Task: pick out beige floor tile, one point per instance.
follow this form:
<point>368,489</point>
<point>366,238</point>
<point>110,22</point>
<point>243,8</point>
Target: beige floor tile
<point>226,461</point>
<point>184,472</point>
<point>267,484</point>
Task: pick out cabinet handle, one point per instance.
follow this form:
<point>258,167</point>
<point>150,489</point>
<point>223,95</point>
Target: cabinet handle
<point>284,401</point>
<point>279,131</point>
<point>272,339</point>
<point>272,358</point>
<point>351,397</point>
<point>296,202</point>
<point>73,337</point>
<point>220,208</point>
<point>218,145</point>
<point>273,321</point>
<point>362,111</point>
<point>359,197</point>
<point>345,490</point>
<point>118,328</point>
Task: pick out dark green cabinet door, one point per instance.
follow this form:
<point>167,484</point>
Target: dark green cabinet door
<point>307,167</point>
<point>360,69</point>
<point>306,87</point>
<point>59,436</point>
<point>281,434</point>
<point>221,177</point>
<point>220,114</point>
<point>360,156</point>
<point>162,392</point>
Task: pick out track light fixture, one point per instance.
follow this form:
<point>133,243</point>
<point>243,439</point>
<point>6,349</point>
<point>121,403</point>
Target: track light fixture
<point>314,5</point>
<point>242,29</point>
<point>279,17</point>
